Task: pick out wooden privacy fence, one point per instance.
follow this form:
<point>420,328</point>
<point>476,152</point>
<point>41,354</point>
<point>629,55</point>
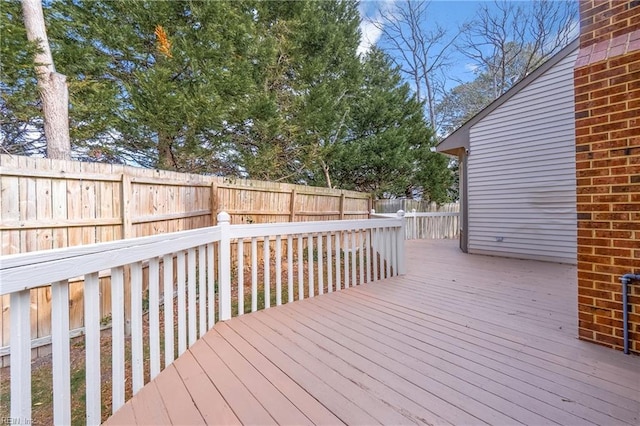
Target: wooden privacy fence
<point>48,204</point>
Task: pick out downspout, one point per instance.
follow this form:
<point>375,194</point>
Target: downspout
<point>626,280</point>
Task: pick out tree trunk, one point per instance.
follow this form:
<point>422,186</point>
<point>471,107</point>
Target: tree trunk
<point>327,176</point>
<point>51,85</point>
<point>166,159</point>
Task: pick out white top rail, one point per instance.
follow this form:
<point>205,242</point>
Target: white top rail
<point>47,266</point>
<point>417,214</point>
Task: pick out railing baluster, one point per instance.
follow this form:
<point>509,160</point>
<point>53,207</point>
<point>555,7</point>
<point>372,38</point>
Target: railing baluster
<point>60,349</point>
<point>117,338</point>
<point>361,248</point>
<point>267,272</point>
<point>375,236</point>
<point>346,258</point>
<point>392,241</point>
<point>387,251</point>
<point>354,247</point>
<point>367,245</point>
<point>300,268</point>
<point>211,282</point>
<point>338,236</point>
<point>329,264</point>
<point>290,268</point>
<point>169,351</point>
<point>182,303</point>
<point>191,295</point>
<point>240,276</point>
<point>154,317</point>
<point>137,360</point>
<point>202,290</point>
<point>224,267</point>
<point>254,274</point>
<point>20,312</point>
<point>400,245</point>
<point>320,265</point>
<point>92,347</point>
<point>278,270</point>
<point>310,264</point>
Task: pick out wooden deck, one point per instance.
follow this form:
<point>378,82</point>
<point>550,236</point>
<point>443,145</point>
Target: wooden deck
<point>460,339</point>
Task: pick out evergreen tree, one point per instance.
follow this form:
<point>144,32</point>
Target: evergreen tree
<point>310,78</point>
<point>151,81</point>
<point>388,151</point>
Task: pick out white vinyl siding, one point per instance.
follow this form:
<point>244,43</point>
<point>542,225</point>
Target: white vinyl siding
<point>522,190</point>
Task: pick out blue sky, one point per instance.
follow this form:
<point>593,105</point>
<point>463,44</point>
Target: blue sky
<point>449,14</point>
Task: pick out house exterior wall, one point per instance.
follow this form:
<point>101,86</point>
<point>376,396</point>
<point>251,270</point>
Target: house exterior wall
<point>522,172</point>
<point>607,90</point>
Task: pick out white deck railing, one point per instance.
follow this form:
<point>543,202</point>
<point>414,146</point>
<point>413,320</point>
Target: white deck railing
<point>428,225</point>
<point>196,268</point>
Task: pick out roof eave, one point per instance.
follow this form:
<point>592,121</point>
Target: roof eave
<point>459,139</point>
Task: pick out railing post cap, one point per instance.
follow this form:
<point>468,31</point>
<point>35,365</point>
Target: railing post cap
<point>224,217</point>
<point>400,213</point>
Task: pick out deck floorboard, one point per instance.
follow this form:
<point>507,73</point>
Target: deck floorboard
<point>459,339</point>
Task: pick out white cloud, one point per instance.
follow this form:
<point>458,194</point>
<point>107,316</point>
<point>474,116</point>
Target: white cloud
<point>471,67</point>
<point>372,22</point>
<point>371,32</point>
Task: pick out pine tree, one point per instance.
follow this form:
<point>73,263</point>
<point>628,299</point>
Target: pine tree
<point>154,82</point>
<point>388,150</point>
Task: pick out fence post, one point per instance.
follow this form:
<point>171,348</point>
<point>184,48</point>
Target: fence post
<point>400,244</point>
<point>224,265</point>
<point>125,205</point>
<point>214,202</point>
<point>292,206</point>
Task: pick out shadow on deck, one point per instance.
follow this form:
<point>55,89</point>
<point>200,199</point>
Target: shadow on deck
<point>460,339</point>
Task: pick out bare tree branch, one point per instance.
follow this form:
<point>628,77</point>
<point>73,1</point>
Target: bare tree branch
<point>420,49</point>
<point>509,40</point>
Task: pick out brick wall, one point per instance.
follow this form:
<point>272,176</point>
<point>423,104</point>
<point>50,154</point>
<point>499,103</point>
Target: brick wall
<point>607,91</point>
